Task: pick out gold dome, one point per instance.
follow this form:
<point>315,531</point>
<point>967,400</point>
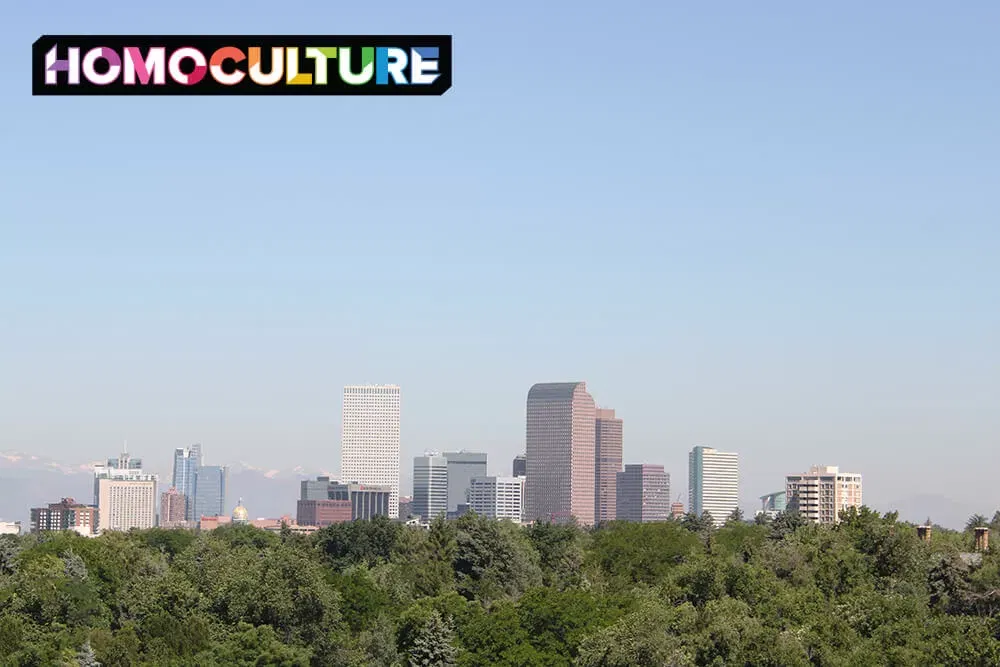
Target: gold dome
<point>240,514</point>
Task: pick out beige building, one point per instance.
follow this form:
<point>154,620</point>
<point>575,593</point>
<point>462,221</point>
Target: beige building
<point>561,419</point>
<point>821,494</point>
<point>123,504</point>
<point>125,495</point>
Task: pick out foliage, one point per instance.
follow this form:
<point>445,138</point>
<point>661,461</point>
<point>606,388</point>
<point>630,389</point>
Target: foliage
<point>476,591</point>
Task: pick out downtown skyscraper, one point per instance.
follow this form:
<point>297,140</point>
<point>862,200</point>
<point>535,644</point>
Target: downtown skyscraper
<point>187,461</point>
<point>713,483</point>
<point>643,492</point>
<point>608,463</point>
<point>369,442</point>
<point>561,419</point>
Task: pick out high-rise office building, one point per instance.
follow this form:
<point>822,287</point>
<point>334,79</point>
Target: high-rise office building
<point>430,486</point>
<point>187,460</point>
<point>462,467</point>
<point>369,449</point>
<point>561,418</point>
<point>713,483</point>
<point>210,491</point>
<point>498,497</point>
<point>608,463</point>
<point>125,495</point>
<point>643,493</point>
<point>821,494</point>
<point>520,467</point>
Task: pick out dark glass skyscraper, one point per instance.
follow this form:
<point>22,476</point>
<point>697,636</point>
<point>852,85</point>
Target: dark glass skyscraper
<point>520,467</point>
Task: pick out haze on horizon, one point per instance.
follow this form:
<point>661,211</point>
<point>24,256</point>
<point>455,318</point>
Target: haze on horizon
<point>767,232</point>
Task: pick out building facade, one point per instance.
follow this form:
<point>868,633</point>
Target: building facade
<point>371,500</point>
<point>173,508</point>
<point>561,418</point>
<point>607,464</point>
<point>643,493</point>
<point>713,483</point>
<point>322,513</point>
<point>462,467</point>
<point>210,491</point>
<point>430,486</point>
<point>821,494</point>
<point>10,527</point>
<point>67,514</point>
<point>370,445</point>
<point>187,461</point>
<point>520,466</point>
<point>364,500</point>
<point>126,496</point>
<point>498,497</point>
<point>772,504</point>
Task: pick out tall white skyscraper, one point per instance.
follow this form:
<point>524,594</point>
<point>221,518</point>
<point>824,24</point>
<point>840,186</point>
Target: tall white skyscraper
<point>713,483</point>
<point>369,441</point>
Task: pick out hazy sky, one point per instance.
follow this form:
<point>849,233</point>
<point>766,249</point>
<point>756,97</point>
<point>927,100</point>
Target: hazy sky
<point>769,230</point>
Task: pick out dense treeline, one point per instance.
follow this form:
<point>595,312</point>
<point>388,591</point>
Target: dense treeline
<point>481,592</point>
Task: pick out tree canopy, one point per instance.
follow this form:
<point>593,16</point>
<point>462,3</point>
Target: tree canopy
<point>475,591</point>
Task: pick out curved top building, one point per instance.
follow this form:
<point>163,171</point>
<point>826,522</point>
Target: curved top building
<point>560,450</point>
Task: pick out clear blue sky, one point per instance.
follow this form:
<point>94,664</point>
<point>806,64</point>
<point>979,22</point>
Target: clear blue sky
<point>770,229</point>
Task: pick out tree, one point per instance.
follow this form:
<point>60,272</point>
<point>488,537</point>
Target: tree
<point>493,559</point>
<point>735,516</point>
<point>976,521</point>
<point>86,657</point>
<point>561,550</point>
<point>434,644</point>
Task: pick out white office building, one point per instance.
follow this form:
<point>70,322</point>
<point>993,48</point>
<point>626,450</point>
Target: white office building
<point>713,483</point>
<point>498,497</point>
<point>10,527</point>
<point>369,443</point>
<point>430,486</point>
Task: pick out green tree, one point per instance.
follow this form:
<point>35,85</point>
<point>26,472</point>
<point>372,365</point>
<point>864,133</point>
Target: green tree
<point>433,644</point>
<point>493,559</point>
<point>561,550</point>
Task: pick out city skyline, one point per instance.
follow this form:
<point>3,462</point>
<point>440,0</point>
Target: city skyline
<point>785,257</point>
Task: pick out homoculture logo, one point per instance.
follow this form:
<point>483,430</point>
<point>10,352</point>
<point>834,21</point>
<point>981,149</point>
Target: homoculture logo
<point>241,65</point>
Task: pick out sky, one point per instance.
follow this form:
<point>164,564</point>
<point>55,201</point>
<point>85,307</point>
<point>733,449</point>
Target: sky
<point>768,229</point>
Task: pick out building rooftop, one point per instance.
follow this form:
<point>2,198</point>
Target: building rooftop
<point>555,390</point>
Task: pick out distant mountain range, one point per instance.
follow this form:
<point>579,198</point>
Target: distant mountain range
<point>28,481</point>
